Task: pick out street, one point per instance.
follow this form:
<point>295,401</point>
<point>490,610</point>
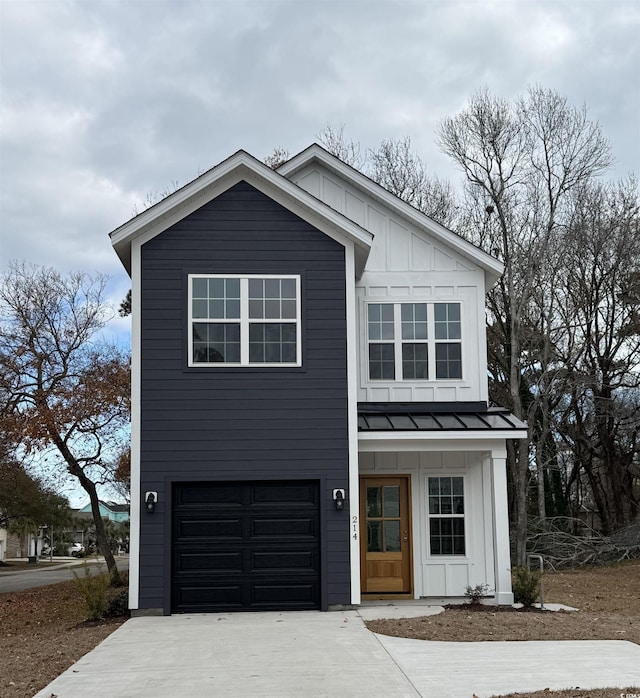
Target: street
<point>39,576</point>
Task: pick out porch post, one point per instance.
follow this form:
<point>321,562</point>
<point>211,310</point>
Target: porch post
<point>501,549</point>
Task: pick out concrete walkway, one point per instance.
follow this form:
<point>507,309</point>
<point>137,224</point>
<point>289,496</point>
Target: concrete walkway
<point>278,655</point>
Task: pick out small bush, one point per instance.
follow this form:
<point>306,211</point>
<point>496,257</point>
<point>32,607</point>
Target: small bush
<point>93,589</point>
<point>118,605</point>
<point>526,585</point>
<point>474,594</point>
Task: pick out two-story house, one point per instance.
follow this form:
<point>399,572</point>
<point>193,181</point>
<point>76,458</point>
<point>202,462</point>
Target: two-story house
<point>310,406</point>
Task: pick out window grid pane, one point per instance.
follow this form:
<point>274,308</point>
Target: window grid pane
<point>272,343</point>
<point>382,365</point>
<point>447,320</point>
<point>380,321</point>
<point>216,342</point>
<point>448,360</point>
<point>272,299</point>
<point>414,320</point>
<point>415,362</point>
<point>216,299</point>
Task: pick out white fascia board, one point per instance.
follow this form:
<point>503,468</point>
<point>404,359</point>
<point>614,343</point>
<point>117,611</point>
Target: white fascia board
<point>436,440</point>
<point>492,267</point>
<point>214,182</point>
<point>353,496</point>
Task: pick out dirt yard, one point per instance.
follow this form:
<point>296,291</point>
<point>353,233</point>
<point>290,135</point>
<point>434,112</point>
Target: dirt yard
<point>43,632</point>
<point>43,629</point>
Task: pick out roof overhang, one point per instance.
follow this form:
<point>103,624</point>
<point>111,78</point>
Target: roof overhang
<point>492,267</point>
<point>451,426</point>
<point>240,167</point>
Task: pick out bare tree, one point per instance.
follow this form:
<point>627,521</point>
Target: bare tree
<point>349,151</point>
<point>394,166</point>
<point>600,416</point>
<point>399,170</point>
<point>62,388</point>
<point>522,160</point>
<point>278,157</point>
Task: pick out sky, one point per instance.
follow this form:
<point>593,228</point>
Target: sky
<point>104,102</point>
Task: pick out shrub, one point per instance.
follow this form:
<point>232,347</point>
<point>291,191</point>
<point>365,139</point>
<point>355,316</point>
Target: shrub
<point>474,594</point>
<point>526,585</point>
<point>118,605</point>
<point>93,589</point>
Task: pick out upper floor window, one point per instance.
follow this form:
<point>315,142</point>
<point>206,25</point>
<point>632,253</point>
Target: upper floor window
<point>414,341</point>
<point>244,320</point>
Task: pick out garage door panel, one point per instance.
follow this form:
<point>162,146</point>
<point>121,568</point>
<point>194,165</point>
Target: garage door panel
<point>228,562</point>
<point>262,555</point>
<point>284,495</point>
<point>226,494</point>
<point>284,527</point>
<point>210,527</point>
<point>268,595</point>
<point>198,598</point>
<point>279,560</point>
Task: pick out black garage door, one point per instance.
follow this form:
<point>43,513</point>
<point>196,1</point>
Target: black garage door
<point>246,546</point>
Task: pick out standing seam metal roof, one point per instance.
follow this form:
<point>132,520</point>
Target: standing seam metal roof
<point>378,417</point>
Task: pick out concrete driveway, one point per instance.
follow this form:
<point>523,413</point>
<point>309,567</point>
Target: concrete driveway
<point>326,654</point>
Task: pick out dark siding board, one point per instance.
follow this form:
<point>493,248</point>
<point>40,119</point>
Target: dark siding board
<point>199,404</point>
<point>155,381</point>
<point>243,423</point>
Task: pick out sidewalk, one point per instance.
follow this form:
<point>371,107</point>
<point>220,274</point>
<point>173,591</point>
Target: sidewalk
<point>44,565</point>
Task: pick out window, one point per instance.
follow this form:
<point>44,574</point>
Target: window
<point>399,344</point>
<point>244,320</point>
<point>446,516</point>
<point>447,328</point>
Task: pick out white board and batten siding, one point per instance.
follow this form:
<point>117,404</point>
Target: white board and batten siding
<point>407,265</point>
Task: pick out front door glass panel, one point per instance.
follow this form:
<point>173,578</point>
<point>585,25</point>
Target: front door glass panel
<point>383,519</point>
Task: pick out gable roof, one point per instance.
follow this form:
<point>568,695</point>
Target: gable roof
<point>240,167</point>
<point>492,267</point>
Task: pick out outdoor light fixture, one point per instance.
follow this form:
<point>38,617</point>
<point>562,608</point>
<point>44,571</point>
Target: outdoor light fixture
<point>151,499</point>
<point>338,498</point>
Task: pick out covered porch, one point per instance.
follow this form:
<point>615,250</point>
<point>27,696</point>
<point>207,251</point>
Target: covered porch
<point>433,502</point>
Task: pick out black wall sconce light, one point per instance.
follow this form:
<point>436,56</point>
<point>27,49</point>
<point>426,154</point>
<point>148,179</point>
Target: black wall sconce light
<point>150,500</point>
<point>338,498</point>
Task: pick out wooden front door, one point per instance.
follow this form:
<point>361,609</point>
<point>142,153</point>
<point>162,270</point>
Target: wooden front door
<point>385,534</point>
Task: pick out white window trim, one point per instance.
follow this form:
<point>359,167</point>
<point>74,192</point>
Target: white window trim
<point>245,322</point>
<point>397,342</point>
<point>464,517</point>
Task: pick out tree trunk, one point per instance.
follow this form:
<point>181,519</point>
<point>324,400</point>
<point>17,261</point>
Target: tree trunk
<point>101,534</point>
<point>89,487</point>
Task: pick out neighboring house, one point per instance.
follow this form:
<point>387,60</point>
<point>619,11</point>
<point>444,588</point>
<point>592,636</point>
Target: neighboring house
<point>20,545</point>
<point>309,397</point>
<point>108,510</point>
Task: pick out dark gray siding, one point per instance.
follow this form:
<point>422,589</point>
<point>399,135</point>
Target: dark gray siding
<point>243,424</point>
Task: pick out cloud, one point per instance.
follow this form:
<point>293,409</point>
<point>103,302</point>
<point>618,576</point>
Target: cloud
<point>105,102</point>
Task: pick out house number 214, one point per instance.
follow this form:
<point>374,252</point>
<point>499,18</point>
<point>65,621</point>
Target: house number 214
<point>354,524</point>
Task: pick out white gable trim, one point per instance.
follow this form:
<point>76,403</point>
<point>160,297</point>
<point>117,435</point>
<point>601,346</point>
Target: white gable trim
<point>492,267</point>
<point>214,182</point>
